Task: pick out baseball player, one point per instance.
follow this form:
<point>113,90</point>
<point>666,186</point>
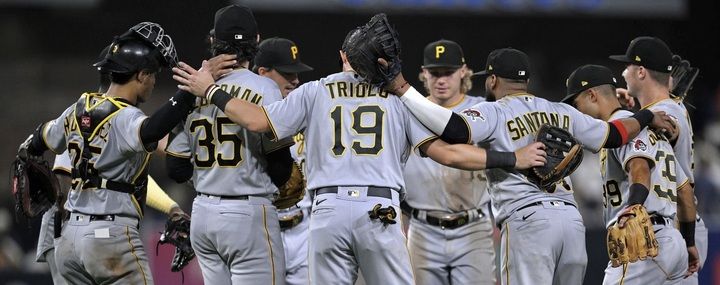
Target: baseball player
<point>236,233</point>
<point>649,63</point>
<point>62,167</point>
<point>450,234</point>
<point>108,141</point>
<point>357,137</point>
<point>279,60</point>
<point>543,236</point>
<point>630,173</point>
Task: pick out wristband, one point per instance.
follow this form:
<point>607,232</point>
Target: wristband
<point>644,117</point>
<point>499,159</point>
<point>638,194</point>
<point>687,230</point>
<point>219,98</point>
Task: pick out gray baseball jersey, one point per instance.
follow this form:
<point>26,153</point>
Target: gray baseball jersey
<point>684,146</point>
<point>228,159</point>
<point>118,154</point>
<point>356,136</point>
<point>665,174</point>
<point>511,123</point>
<point>435,187</point>
<point>348,130</point>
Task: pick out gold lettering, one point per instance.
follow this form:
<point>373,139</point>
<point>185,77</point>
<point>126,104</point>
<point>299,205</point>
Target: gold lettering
<point>342,89</point>
<point>566,122</point>
<point>513,130</point>
<point>330,89</point>
<point>246,95</point>
<point>554,119</point>
<point>529,121</point>
<point>439,50</point>
<point>521,127</point>
<point>294,51</point>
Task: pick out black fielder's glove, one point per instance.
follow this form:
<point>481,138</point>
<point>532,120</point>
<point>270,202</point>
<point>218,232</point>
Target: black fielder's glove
<point>34,186</point>
<point>683,75</point>
<point>564,155</point>
<point>177,232</point>
<point>366,44</point>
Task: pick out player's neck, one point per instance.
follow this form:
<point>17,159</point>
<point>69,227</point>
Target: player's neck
<point>124,91</point>
<point>509,91</point>
<point>243,65</point>
<point>653,94</point>
<point>608,109</point>
<point>450,102</point>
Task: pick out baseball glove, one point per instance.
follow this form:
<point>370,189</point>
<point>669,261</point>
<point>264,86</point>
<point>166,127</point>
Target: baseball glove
<point>177,232</point>
<point>631,237</point>
<point>293,191</point>
<point>683,76</point>
<point>33,184</point>
<point>564,155</point>
<point>366,44</point>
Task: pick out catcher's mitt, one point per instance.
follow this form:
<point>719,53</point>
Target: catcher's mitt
<point>366,44</point>
<point>683,76</point>
<point>631,237</point>
<point>564,155</point>
<point>293,191</point>
<point>34,185</point>
<point>177,232</point>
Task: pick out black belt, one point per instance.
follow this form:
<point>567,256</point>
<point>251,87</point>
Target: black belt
<point>99,182</point>
<point>372,191</point>
<point>287,222</point>
<point>657,220</point>
<point>533,204</point>
<point>457,220</point>
<point>107,218</point>
<point>224,197</point>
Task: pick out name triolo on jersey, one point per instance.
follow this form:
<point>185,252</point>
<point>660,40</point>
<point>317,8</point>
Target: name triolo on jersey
<point>344,89</point>
<point>529,123</point>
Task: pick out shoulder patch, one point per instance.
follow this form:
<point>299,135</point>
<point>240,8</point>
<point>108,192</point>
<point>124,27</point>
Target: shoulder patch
<point>473,114</point>
<point>639,145</point>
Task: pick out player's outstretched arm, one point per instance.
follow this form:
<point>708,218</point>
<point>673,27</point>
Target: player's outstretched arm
<point>201,83</point>
<point>469,157</point>
<point>159,200</point>
<point>623,130</point>
<point>686,213</point>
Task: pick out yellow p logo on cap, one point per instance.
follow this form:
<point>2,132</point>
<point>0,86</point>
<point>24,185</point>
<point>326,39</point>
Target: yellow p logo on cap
<point>439,50</point>
<point>294,51</point>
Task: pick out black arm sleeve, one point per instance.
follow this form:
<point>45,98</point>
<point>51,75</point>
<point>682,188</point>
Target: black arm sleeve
<point>279,166</point>
<point>456,131</point>
<point>164,119</point>
<point>178,169</point>
<point>37,146</point>
<point>614,140</point>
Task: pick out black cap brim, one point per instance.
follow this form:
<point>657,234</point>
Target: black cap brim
<point>297,67</point>
<point>481,73</point>
<point>569,98</point>
<point>620,58</point>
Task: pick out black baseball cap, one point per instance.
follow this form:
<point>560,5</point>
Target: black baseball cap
<point>507,63</point>
<point>443,53</point>
<point>586,77</point>
<point>280,54</point>
<point>235,23</point>
<point>649,52</point>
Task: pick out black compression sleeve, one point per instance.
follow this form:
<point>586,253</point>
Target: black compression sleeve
<point>456,131</point>
<point>279,166</point>
<point>687,230</point>
<point>614,139</point>
<point>178,169</point>
<point>37,146</point>
<point>165,118</point>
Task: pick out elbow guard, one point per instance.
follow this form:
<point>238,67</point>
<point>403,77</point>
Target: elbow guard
<point>179,169</point>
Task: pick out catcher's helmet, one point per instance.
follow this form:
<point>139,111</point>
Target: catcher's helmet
<point>144,46</point>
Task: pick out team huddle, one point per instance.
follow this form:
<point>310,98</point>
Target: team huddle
<point>308,183</point>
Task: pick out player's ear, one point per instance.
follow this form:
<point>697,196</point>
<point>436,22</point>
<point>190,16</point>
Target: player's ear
<point>262,70</point>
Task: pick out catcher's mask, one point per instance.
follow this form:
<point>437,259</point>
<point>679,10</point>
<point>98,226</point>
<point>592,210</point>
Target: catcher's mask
<point>144,46</point>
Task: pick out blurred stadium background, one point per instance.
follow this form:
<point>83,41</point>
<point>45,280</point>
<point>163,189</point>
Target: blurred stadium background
<point>47,48</point>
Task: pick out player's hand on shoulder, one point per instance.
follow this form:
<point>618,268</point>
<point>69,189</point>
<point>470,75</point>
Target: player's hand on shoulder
<point>221,65</point>
<point>625,99</point>
<point>193,81</point>
<point>693,261</point>
<point>665,125</point>
<point>529,156</point>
